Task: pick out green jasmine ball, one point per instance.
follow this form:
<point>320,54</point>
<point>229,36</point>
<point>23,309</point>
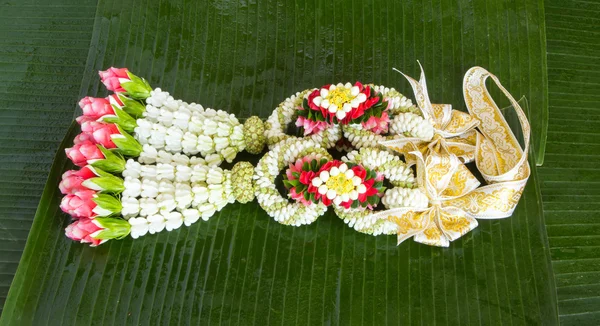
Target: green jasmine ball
<point>242,183</point>
<point>254,135</point>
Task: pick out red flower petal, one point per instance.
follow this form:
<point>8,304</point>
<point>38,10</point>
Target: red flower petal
<point>367,91</point>
<point>359,171</point>
<point>327,166</point>
<point>346,204</point>
<point>306,177</point>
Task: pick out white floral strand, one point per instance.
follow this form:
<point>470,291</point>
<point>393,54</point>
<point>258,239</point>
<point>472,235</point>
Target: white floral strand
<point>178,127</point>
<point>172,190</point>
<point>362,221</point>
<point>411,125</point>
<point>397,103</point>
<point>391,166</point>
<point>404,197</point>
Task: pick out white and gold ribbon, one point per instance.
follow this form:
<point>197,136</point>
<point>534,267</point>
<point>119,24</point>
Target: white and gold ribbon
<point>453,129</point>
<point>455,198</point>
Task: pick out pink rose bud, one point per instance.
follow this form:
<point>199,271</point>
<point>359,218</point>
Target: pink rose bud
<point>378,125</point>
<point>98,230</point>
<point>101,132</point>
<point>103,135</point>
<point>89,127</point>
<point>80,204</point>
<point>120,80</point>
<point>112,78</point>
<point>83,119</point>
<point>95,108</point>
<point>72,180</point>
<point>82,137</point>
<point>83,152</point>
<point>84,230</point>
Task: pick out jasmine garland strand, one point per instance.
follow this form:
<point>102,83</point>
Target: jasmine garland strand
<point>176,126</point>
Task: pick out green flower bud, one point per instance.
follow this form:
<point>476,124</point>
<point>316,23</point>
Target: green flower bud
<point>136,87</point>
<point>113,162</point>
<point>113,228</point>
<point>133,107</point>
<point>105,183</point>
<point>126,144</point>
<point>106,205</point>
<point>121,118</point>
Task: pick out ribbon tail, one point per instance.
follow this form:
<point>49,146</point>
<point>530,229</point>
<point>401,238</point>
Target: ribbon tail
<point>421,96</point>
<point>492,201</point>
<point>454,222</point>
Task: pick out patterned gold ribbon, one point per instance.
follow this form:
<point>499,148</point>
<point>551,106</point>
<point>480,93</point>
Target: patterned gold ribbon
<point>455,198</point>
<point>453,129</point>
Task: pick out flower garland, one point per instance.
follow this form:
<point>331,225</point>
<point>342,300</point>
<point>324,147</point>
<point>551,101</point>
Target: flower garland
<point>136,176</point>
<point>151,163</point>
<point>353,186</point>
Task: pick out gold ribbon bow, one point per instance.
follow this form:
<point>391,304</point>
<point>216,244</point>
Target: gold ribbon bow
<point>453,129</point>
<point>455,198</point>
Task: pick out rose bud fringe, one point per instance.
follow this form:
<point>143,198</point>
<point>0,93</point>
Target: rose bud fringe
<point>120,80</point>
<point>89,153</point>
<point>89,204</point>
<point>97,231</point>
<point>90,178</point>
<point>111,136</point>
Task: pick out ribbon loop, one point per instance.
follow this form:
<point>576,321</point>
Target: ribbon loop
<point>453,130</point>
<point>456,199</point>
<point>499,156</point>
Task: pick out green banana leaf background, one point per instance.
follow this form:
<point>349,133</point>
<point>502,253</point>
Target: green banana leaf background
<point>541,266</point>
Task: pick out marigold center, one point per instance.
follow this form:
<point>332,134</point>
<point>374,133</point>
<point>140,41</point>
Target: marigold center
<point>340,96</point>
<point>340,184</point>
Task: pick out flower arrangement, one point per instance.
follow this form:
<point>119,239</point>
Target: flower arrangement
<point>149,162</point>
<point>344,103</point>
<point>136,174</point>
<point>333,182</point>
<point>349,114</point>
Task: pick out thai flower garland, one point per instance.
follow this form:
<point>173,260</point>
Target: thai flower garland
<point>159,186</point>
<point>437,140</point>
<point>171,177</point>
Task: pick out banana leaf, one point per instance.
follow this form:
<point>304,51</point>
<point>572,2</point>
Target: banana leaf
<point>43,52</point>
<point>570,172</point>
<point>242,267</point>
